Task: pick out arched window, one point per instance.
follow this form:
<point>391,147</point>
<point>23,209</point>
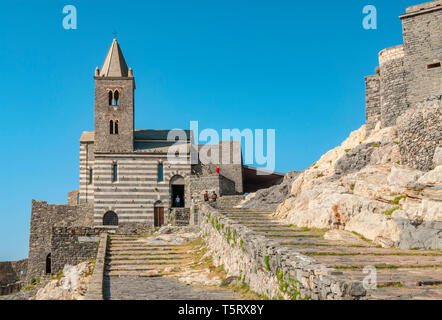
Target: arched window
<point>48,264</point>
<point>114,173</point>
<point>110,218</point>
<point>110,98</point>
<point>160,172</point>
<point>90,176</point>
<point>116,127</point>
<point>111,127</point>
<point>116,98</point>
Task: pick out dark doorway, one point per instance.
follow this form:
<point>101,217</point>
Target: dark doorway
<point>110,218</point>
<point>177,190</point>
<point>48,264</point>
<point>158,216</point>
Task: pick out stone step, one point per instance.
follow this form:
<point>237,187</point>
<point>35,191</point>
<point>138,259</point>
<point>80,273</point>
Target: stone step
<point>405,293</point>
<point>423,277</point>
<point>176,255</point>
<point>369,260</point>
<point>141,262</point>
<point>334,251</point>
<point>141,267</point>
<point>144,273</point>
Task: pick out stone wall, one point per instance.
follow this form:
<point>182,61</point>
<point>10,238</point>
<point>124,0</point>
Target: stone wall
<point>419,131</point>
<point>422,31</point>
<point>44,217</point>
<point>393,88</point>
<point>95,289</point>
<point>72,246</point>
<point>211,182</point>
<point>372,101</point>
<point>269,269</point>
<point>12,271</point>
<point>73,197</point>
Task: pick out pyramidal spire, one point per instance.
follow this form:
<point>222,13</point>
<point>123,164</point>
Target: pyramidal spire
<point>114,65</point>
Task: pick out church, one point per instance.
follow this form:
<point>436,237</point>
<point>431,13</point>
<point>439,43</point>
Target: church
<point>131,180</point>
<point>126,173</point>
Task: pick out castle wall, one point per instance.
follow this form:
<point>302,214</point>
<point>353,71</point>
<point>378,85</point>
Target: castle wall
<point>213,182</point>
<point>372,101</point>
<point>72,245</point>
<point>419,131</point>
<point>422,31</point>
<point>43,218</point>
<point>393,88</point>
<point>12,271</point>
<point>133,196</point>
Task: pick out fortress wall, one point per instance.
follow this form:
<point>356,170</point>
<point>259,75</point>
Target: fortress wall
<point>133,196</point>
<point>43,217</point>
<point>12,271</point>
<point>393,89</point>
<point>422,31</point>
<point>86,163</point>
<point>372,101</point>
<point>72,245</point>
<point>420,133</point>
<point>268,268</point>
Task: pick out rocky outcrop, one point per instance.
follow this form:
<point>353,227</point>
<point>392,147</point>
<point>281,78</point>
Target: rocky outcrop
<point>72,285</point>
<point>269,199</point>
<point>362,186</point>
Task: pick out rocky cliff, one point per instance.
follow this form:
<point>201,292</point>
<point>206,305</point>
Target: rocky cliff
<point>364,186</point>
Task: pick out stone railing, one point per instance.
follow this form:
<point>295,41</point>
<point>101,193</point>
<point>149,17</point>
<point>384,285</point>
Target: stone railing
<point>95,290</point>
<point>267,268</point>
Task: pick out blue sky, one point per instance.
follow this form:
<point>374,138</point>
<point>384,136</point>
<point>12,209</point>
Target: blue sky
<point>297,67</point>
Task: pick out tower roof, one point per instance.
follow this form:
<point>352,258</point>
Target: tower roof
<point>114,65</point>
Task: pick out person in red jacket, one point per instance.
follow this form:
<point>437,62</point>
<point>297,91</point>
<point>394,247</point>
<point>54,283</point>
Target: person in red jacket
<point>217,170</point>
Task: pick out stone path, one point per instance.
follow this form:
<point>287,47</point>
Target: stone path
<point>136,269</point>
<point>401,274</point>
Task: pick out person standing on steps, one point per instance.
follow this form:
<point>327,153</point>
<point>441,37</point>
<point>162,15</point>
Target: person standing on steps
<point>206,196</point>
<point>214,196</point>
<point>177,201</point>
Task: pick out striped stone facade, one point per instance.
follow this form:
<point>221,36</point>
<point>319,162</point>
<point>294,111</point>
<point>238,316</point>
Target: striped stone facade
<point>133,196</point>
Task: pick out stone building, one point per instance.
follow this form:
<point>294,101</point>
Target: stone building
<point>409,77</point>
<point>129,179</point>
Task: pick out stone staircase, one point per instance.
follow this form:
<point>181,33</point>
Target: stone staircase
<point>133,256</point>
<point>401,274</point>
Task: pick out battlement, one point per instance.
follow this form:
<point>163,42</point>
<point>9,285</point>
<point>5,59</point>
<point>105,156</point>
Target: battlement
<point>392,53</point>
<point>423,8</point>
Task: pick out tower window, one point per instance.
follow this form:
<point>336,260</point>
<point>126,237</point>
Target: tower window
<point>116,127</point>
<point>433,65</point>
<point>160,172</point>
<point>90,176</point>
<point>114,173</point>
<point>111,127</point>
<point>110,98</point>
<point>116,98</point>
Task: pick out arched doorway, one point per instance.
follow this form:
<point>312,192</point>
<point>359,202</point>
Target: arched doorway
<point>177,191</point>
<point>48,264</point>
<point>158,214</point>
<point>110,218</point>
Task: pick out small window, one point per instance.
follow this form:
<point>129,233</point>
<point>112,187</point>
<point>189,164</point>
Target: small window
<point>110,218</point>
<point>116,127</point>
<point>160,172</point>
<point>114,173</point>
<point>111,127</point>
<point>110,98</point>
<point>433,65</point>
<point>90,176</point>
<point>116,98</point>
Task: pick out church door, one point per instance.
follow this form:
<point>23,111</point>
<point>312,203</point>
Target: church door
<point>158,216</point>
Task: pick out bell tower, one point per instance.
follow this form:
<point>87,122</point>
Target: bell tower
<point>114,104</point>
